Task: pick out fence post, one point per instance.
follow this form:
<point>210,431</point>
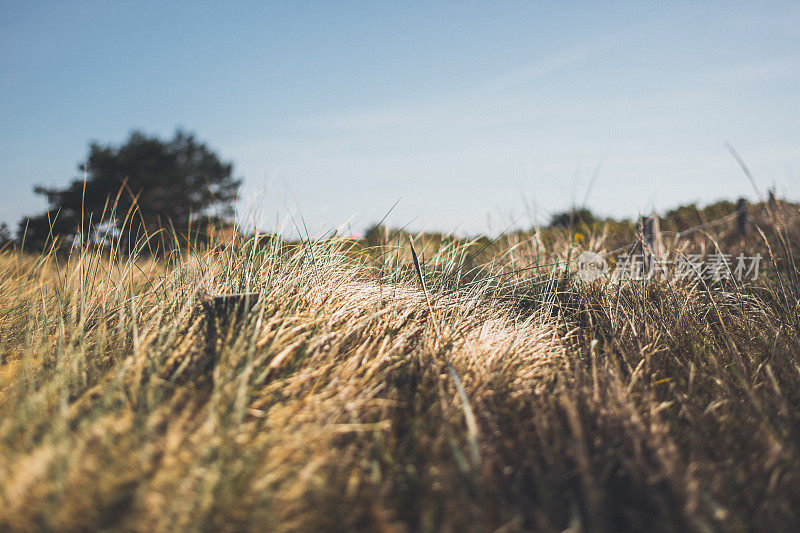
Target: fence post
<point>220,310</point>
<point>741,216</point>
<point>650,228</point>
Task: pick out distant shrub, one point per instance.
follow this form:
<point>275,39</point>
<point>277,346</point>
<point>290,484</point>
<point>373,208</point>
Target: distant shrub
<point>573,218</point>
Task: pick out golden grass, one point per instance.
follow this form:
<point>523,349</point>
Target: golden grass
<point>125,404</point>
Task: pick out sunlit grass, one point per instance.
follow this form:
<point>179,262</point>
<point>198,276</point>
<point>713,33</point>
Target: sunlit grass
<point>127,403</point>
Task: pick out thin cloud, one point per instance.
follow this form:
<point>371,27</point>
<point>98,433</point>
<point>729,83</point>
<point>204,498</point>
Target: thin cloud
<point>552,63</point>
<point>748,73</point>
<point>453,105</point>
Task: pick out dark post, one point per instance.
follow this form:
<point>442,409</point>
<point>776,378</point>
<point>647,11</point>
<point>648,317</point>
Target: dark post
<point>220,310</point>
<point>651,237</point>
<point>650,228</point>
<point>226,304</point>
<point>651,232</point>
<point>741,216</point>
<point>643,226</point>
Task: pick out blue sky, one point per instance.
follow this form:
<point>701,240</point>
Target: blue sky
<point>474,115</point>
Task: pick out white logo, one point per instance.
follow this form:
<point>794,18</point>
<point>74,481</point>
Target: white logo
<point>591,266</point>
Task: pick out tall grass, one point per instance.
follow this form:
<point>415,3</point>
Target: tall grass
<point>501,394</point>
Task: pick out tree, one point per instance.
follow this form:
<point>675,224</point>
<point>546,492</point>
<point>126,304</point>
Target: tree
<point>573,218</point>
<point>5,237</point>
<point>376,234</point>
<point>136,189</point>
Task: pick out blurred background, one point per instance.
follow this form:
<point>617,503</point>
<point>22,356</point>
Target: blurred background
<point>467,117</point>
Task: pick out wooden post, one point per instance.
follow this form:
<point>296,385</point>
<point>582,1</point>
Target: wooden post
<point>650,228</point>
<point>651,232</point>
<point>220,310</point>
<point>646,230</point>
<point>225,304</point>
<point>741,216</point>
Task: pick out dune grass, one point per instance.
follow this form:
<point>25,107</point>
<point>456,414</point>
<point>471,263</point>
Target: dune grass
<point>508,396</point>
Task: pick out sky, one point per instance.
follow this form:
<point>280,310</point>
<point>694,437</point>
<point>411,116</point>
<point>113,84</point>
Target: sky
<point>467,117</point>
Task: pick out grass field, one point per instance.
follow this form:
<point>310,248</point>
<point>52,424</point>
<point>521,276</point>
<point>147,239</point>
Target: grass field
<point>508,395</point>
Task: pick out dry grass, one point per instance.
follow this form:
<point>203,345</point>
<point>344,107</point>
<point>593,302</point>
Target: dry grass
<point>124,405</point>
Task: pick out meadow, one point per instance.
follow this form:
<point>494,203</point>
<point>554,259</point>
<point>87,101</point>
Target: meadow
<point>483,387</point>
